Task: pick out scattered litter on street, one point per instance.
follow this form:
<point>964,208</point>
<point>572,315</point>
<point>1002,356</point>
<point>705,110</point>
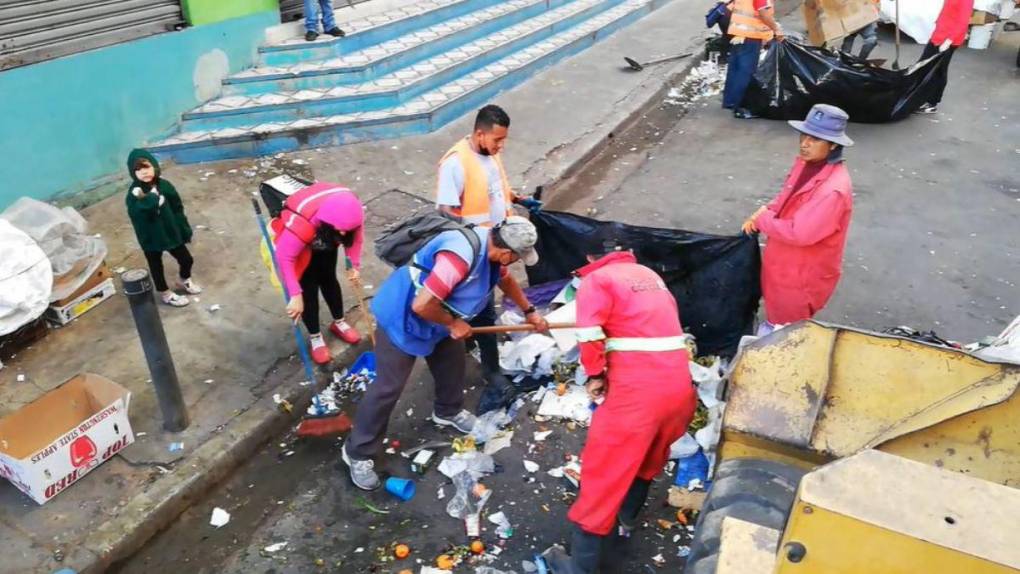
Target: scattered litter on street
<point>531,466</point>
<point>219,517</point>
<point>275,547</point>
<point>175,447</point>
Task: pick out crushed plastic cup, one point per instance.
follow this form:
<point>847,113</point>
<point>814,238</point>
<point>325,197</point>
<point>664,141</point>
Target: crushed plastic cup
<point>402,488</point>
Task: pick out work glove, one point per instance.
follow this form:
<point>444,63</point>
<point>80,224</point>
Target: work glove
<point>530,203</point>
<point>945,45</point>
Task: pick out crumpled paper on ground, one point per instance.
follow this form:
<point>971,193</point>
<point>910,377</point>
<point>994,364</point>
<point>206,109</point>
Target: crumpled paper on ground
<point>575,404</point>
<point>476,463</point>
<point>533,355</point>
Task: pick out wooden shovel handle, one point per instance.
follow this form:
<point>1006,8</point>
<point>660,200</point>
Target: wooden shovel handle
<point>517,328</point>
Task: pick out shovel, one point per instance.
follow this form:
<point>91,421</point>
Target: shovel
<point>896,62</point>
<point>516,328</point>
<point>637,66</point>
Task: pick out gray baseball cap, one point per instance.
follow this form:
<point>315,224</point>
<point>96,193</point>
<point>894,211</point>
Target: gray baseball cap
<point>520,236</point>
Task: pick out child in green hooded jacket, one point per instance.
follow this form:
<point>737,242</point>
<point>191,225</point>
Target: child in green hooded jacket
<point>157,215</point>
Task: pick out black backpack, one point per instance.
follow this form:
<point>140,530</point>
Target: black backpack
<point>399,242</point>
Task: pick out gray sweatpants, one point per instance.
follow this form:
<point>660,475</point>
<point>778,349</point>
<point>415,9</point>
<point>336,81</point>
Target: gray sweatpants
<point>393,367</point>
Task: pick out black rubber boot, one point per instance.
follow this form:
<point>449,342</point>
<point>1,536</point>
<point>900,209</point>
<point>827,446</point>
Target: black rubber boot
<point>585,549</point>
<point>584,554</point>
<point>633,503</point>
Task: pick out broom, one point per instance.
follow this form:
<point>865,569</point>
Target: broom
<point>322,423</point>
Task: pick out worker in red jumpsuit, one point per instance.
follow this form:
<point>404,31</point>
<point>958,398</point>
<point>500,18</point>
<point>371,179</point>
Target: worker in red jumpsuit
<point>633,351</point>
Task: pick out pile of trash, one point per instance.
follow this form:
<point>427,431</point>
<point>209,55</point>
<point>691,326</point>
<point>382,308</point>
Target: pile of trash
<point>28,282</point>
<point>703,82</point>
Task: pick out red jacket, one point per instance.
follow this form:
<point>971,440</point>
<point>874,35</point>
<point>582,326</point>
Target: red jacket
<point>806,231</point>
<point>621,304</point>
<point>953,22</point>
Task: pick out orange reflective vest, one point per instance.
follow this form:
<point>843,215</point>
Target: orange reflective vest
<point>474,201</point>
<point>745,23</point>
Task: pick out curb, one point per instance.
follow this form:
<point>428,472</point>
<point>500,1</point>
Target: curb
<point>649,98</point>
<point>153,510</point>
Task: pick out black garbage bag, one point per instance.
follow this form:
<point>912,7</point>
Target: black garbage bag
<point>715,279</point>
<point>793,77</point>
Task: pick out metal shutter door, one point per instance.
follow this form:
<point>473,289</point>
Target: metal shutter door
<point>294,9</point>
<point>36,30</point>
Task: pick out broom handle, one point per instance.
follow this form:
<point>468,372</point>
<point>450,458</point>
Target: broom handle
<point>517,328</point>
<point>306,359</point>
<point>359,291</point>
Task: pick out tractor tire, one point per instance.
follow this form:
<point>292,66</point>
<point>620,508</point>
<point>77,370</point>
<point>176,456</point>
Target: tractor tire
<point>754,490</point>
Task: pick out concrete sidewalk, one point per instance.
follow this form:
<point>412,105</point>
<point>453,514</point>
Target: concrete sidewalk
<point>232,360</point>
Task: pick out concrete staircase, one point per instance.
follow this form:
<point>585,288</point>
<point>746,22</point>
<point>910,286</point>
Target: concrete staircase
<point>406,71</point>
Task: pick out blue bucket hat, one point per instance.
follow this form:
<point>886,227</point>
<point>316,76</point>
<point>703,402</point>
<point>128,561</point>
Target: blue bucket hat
<point>825,122</point>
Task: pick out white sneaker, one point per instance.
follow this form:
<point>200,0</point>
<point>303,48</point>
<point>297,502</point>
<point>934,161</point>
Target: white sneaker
<point>188,286</point>
<point>173,299</point>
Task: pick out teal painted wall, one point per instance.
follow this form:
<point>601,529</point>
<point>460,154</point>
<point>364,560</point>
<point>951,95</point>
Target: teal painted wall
<point>67,124</point>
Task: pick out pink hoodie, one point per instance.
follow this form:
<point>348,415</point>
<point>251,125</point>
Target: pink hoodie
<point>344,212</point>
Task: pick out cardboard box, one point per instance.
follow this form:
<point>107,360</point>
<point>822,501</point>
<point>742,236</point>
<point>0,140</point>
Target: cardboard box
<point>831,20</point>
<point>980,17</point>
<point>102,273</point>
<point>50,443</point>
<point>82,304</point>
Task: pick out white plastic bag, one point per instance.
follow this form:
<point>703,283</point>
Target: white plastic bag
<point>62,234</point>
<point>26,278</point>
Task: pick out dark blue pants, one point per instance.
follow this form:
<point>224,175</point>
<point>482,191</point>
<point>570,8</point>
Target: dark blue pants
<point>743,61</point>
<point>488,345</point>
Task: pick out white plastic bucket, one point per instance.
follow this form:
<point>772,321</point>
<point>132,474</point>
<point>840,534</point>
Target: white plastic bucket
<point>980,36</point>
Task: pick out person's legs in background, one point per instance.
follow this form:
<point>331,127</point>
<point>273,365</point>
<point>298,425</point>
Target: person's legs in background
<point>743,60</point>
<point>488,346</point>
<point>939,81</point>
<point>311,19</point>
<point>869,35</point>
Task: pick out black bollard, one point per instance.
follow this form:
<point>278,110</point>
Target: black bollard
<point>138,288</point>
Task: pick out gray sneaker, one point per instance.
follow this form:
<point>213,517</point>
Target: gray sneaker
<point>462,421</point>
<point>362,474</point>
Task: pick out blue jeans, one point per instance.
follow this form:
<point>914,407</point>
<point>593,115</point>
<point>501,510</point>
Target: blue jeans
<point>743,61</point>
<point>312,19</point>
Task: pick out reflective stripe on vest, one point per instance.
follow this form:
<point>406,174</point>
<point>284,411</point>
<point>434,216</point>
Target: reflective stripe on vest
<point>745,22</point>
<point>652,344</point>
<point>589,334</point>
<point>474,201</point>
<point>297,218</point>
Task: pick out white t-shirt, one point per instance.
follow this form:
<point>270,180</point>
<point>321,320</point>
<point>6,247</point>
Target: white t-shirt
<point>451,185</point>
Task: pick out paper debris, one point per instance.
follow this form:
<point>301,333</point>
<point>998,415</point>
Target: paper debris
<point>21,378</point>
<point>275,547</point>
<point>573,404</point>
<point>542,435</point>
<point>175,447</point>
<point>531,466</point>
<point>214,307</point>
<point>219,517</point>
<point>498,443</point>
<point>441,494</point>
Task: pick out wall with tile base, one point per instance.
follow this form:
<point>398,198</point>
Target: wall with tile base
<point>68,124</point>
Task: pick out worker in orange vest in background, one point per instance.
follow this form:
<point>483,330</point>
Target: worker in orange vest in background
<point>868,35</point>
<point>752,23</point>
<point>473,188</point>
<point>634,352</point>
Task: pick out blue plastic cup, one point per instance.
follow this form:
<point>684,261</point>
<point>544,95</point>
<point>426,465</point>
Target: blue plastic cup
<point>402,488</point>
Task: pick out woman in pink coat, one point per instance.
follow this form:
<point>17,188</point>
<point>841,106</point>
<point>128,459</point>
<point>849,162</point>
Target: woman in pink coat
<point>807,223</point>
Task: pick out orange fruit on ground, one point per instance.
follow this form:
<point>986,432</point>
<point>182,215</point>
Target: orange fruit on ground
<point>444,562</point>
<point>402,551</point>
<point>477,547</point>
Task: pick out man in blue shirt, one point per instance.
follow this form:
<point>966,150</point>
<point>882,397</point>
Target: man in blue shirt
<point>423,310</point>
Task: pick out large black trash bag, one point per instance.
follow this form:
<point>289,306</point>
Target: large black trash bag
<point>793,77</point>
<point>715,279</point>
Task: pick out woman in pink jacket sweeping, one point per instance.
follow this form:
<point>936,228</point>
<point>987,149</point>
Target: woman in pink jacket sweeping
<point>807,223</point>
<point>315,222</point>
